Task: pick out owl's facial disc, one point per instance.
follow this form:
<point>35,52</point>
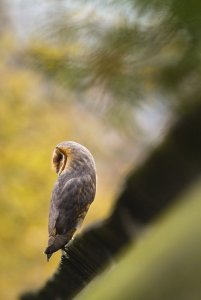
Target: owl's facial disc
<point>59,160</point>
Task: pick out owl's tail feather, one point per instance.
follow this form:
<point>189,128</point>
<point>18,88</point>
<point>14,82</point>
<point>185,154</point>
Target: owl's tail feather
<point>49,251</point>
<point>55,243</point>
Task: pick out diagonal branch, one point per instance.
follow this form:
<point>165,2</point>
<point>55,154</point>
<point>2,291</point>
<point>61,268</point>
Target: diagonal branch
<point>171,168</point>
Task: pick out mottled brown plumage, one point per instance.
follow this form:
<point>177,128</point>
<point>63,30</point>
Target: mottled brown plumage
<point>72,195</point>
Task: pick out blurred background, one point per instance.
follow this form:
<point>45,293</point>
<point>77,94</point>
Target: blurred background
<point>112,75</point>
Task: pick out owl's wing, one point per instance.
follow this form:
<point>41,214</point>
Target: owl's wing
<point>70,201</point>
<point>69,204</point>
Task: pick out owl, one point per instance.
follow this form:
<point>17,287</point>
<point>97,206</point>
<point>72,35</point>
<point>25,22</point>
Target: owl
<point>72,194</point>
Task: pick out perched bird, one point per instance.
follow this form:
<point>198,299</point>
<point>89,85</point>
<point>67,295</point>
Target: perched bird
<point>72,195</point>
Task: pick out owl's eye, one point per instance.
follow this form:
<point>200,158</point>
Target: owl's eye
<point>60,165</point>
<point>59,156</point>
<point>59,160</point>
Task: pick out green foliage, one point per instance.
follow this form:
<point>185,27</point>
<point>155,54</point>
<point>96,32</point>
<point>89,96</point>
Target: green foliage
<point>59,63</point>
<point>153,48</point>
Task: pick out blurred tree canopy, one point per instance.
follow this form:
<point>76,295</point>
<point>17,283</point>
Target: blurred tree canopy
<point>150,47</point>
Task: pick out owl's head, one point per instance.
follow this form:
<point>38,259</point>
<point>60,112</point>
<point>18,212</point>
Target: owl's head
<point>68,151</point>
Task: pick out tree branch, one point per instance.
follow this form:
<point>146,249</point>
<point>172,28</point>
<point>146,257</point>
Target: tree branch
<point>171,168</point>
